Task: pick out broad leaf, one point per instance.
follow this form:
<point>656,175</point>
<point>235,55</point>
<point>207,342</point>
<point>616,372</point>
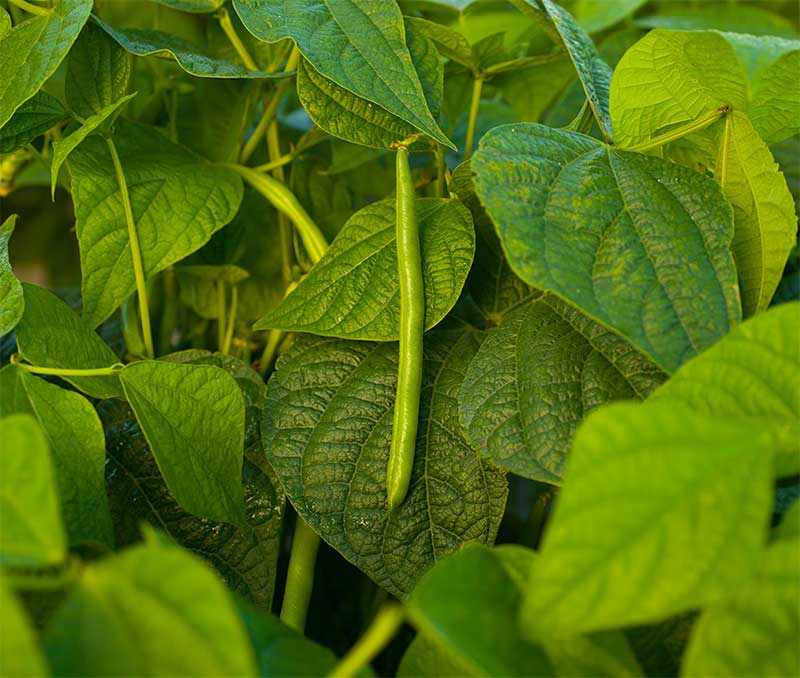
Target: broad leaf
<point>32,535</point>
<point>601,567</point>
<point>12,302</point>
<point>32,50</point>
<point>51,334</point>
<point>19,654</point>
<point>37,115</point>
<point>179,201</point>
<point>327,430</point>
<point>537,376</point>
<point>353,291</point>
<point>154,610</point>
<point>621,235</point>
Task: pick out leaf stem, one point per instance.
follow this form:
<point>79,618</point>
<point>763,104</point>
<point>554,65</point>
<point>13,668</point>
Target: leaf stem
<point>477,87</point>
<point>31,8</point>
<point>221,315</point>
<point>300,577</point>
<point>230,32</point>
<point>282,160</point>
<point>382,629</point>
<point>136,253</point>
<point>226,344</point>
<point>66,371</point>
<point>721,170</point>
<point>274,150</point>
<point>695,125</point>
<point>441,167</point>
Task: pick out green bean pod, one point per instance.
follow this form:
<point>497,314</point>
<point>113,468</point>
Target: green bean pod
<point>412,326</point>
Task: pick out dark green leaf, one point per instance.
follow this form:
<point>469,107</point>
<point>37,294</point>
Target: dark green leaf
<point>12,301</point>
<point>37,115</point>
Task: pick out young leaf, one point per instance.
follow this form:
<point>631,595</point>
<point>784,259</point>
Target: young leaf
<point>37,115</point>
<point>12,302</point>
<point>650,260</point>
<point>51,334</point>
<point>33,49</point>
<point>352,293</point>
<point>327,430</point>
<point>193,419</point>
<point>179,201</point>
<point>32,535</point>
<point>684,539</point>
<point>20,654</point>
<point>154,610</point>
<point>537,376</point>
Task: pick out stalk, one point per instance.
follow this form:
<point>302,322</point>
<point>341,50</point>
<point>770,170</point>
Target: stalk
<point>300,577</point>
<point>31,8</point>
<point>111,371</point>
<point>230,32</point>
<point>477,86</point>
<point>694,126</point>
<point>382,629</point>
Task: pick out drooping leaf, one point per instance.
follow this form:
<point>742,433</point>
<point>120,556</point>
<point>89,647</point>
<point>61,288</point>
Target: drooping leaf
<point>623,236</point>
<point>153,609</point>
<point>178,202</point>
<point>32,535</point>
<point>51,334</point>
<point>669,551</point>
<point>537,376</point>
<point>358,44</point>
<point>31,51</point>
<point>353,291</point>
<point>20,654</point>
<point>327,430</point>
<point>37,115</point>
<point>12,301</point>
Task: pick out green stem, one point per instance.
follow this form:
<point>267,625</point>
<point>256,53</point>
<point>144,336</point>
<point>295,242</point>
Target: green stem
<point>31,8</point>
<point>68,372</point>
<point>226,343</point>
<point>230,32</point>
<point>412,326</point>
<point>441,167</point>
<point>169,315</point>
<point>274,149</point>
<point>274,340</point>
<point>282,160</point>
<point>721,170</point>
<point>382,629</point>
<point>136,253</point>
<point>694,126</point>
<point>221,315</point>
<point>300,577</point>
<point>477,86</point>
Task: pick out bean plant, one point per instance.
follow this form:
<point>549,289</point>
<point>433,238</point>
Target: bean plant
<point>399,337</point>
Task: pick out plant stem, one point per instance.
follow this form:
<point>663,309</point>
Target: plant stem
<point>66,371</point>
<point>477,86</point>
<point>441,167</point>
<point>221,315</point>
<point>226,344</point>
<point>300,577</point>
<point>31,8</point>
<point>268,356</point>
<point>274,150</point>
<point>694,126</point>
<point>721,170</point>
<point>170,313</point>
<point>282,160</point>
<point>227,26</point>
<point>382,629</point>
<point>136,254</point>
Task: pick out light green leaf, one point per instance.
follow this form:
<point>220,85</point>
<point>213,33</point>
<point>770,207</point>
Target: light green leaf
<point>353,291</point>
<point>789,527</point>
<point>20,654</point>
<point>51,334</point>
<point>621,235</point>
<point>12,302</point>
<point>200,284</point>
<point>37,115</point>
<point>739,18</point>
<point>427,658</point>
<point>32,535</point>
<point>685,538</point>
<point>179,201</point>
<point>358,44</point>
<point>755,631</point>
<point>327,430</point>
<point>32,50</point>
<point>63,147</point>
<point>152,610</point>
<point>193,419</point>
<point>775,100</point>
<point>537,376</point>
<point>763,210</point>
<point>5,22</point>
<point>752,375</point>
<point>597,15</point>
<point>194,6</point>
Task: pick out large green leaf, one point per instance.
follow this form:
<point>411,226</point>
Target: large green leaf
<point>685,537</point>
<point>51,334</point>
<point>327,430</point>
<point>359,44</point>
<point>537,376</point>
<point>152,610</point>
<point>193,419</point>
<point>623,236</point>
<point>12,301</point>
<point>20,654</point>
<point>353,291</point>
<point>32,534</point>
<point>752,375</point>
<point>32,50</point>
<point>755,631</point>
<point>37,115</point>
<point>178,202</point>
<point>73,430</point>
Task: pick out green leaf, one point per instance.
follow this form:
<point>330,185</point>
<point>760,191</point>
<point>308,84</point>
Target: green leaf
<point>179,201</point>
<point>5,22</point>
<point>20,654</point>
<point>597,15</point>
<point>76,440</point>
<point>426,658</point>
<point>775,98</point>
<point>789,527</point>
<point>752,375</point>
<point>37,115</point>
<point>194,6</point>
<point>755,631</point>
<point>152,610</point>
<point>763,210</point>
<point>685,537</point>
<point>450,43</point>
<point>353,291</point>
<point>649,259</point>
<point>199,285</point>
<point>739,18</point>
<point>193,419</point>
<point>33,49</point>
<point>537,376</point>
<point>32,535</point>
<point>51,334</point>
<point>327,429</point>
<point>12,302</point>
<point>63,147</point>
<point>358,44</point>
